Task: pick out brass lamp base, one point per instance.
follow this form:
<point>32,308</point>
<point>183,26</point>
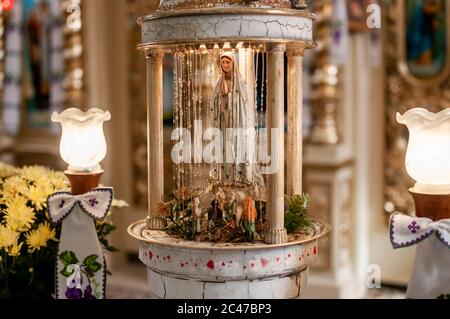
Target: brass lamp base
<point>434,207</point>
<point>82,183</point>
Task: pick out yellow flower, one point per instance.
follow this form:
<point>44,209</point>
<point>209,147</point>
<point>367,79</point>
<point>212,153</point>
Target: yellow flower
<point>8,237</point>
<point>58,180</point>
<point>39,193</point>
<point>14,185</point>
<point>47,231</point>
<point>33,173</point>
<point>37,196</point>
<point>38,238</point>
<point>14,250</point>
<point>19,217</point>
<point>7,170</point>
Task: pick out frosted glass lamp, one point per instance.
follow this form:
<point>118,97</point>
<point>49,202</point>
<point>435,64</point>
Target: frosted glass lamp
<point>428,153</point>
<point>428,161</point>
<point>83,145</point>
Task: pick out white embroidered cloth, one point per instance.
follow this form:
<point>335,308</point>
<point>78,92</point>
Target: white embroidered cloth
<point>80,265</point>
<point>407,231</point>
<point>95,203</point>
<point>430,278</point>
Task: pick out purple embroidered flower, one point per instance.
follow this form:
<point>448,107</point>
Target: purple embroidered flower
<point>88,293</point>
<point>61,205</point>
<point>93,202</point>
<point>74,293</point>
<point>337,36</point>
<point>74,283</point>
<point>413,227</point>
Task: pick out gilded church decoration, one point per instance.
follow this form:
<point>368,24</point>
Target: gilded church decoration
<point>411,84</point>
<point>138,103</point>
<point>326,82</point>
<point>42,43</point>
<point>423,39</point>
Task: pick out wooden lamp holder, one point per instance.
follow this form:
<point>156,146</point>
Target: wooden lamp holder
<point>82,183</point>
<point>435,207</point>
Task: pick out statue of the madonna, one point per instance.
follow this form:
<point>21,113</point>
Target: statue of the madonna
<point>231,110</point>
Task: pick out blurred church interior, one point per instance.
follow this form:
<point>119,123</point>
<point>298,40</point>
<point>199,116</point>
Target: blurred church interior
<point>355,81</point>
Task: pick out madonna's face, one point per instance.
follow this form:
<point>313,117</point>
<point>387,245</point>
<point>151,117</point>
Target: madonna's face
<point>227,65</point>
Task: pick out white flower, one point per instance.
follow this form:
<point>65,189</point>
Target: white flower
<point>117,203</point>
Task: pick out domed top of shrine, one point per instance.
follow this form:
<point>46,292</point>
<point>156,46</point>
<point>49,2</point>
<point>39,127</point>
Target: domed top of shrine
<point>181,23</point>
<point>168,5</point>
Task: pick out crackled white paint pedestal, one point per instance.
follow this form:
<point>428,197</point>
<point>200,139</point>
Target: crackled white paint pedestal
<point>180,269</point>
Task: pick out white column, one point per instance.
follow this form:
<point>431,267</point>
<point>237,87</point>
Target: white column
<point>155,136</point>
<point>276,234</point>
<point>295,115</point>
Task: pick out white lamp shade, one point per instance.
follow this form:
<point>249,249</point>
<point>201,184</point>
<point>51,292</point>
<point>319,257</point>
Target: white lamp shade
<point>428,153</point>
<point>83,144</point>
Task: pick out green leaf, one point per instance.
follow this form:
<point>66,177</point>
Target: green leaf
<point>296,215</point>
<point>66,273</point>
<point>68,258</point>
<point>90,259</point>
<point>92,266</point>
<point>5,294</point>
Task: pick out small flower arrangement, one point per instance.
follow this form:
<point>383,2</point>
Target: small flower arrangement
<point>179,214</point>
<point>188,216</point>
<point>28,239</point>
